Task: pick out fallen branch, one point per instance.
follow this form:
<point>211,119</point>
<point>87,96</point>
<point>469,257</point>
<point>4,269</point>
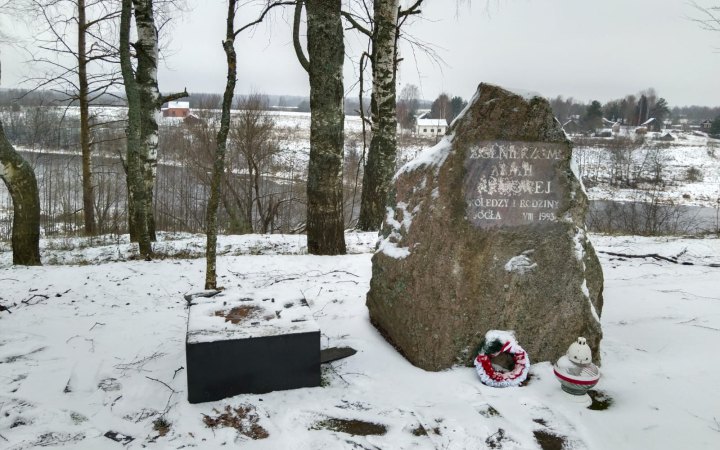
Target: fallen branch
<point>27,301</point>
<point>162,382</point>
<point>177,370</point>
<point>139,364</point>
<point>657,257</point>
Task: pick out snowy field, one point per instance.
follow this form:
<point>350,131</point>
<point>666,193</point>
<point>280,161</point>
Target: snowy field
<point>95,344</point>
<point>688,150</point>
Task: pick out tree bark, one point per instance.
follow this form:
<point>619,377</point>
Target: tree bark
<point>150,102</point>
<point>221,145</point>
<point>146,102</point>
<point>20,181</point>
<point>325,223</point>
<point>380,165</point>
<point>137,205</point>
<point>83,88</point>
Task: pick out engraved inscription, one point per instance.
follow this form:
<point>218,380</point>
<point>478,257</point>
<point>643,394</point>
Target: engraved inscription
<point>512,183</point>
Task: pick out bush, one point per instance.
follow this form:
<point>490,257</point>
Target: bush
<point>693,174</point>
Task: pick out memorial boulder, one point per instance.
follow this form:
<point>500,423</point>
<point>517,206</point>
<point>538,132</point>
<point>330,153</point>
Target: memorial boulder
<point>486,232</point>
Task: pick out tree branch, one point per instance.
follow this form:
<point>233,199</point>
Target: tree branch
<point>412,9</point>
<point>296,36</point>
<point>262,15</point>
<point>355,24</point>
<point>170,97</point>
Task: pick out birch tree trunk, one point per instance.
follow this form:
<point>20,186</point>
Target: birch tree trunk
<point>380,165</point>
<point>137,211</point>
<point>20,181</point>
<point>325,222</point>
<point>221,145</point>
<point>150,102</point>
<point>144,103</point>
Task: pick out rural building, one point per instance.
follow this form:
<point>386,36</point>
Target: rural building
<point>430,127</point>
<point>705,125</point>
<point>176,109</point>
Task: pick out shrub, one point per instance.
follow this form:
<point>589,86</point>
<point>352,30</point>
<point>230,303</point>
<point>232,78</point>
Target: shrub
<point>693,174</point>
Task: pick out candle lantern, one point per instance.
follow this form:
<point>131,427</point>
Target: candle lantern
<point>575,370</point>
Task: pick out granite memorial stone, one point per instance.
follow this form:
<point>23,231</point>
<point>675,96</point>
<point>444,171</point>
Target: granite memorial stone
<point>486,231</point>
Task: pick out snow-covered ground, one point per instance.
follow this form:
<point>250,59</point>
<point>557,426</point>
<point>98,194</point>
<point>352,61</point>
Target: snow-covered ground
<point>687,150</point>
<point>95,344</point>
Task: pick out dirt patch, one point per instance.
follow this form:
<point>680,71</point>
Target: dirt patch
<point>239,314</point>
<point>549,441</point>
<point>162,426</point>
<point>497,439</point>
<point>488,411</point>
<point>244,419</point>
<point>600,400</point>
<point>419,431</point>
<point>353,427</point>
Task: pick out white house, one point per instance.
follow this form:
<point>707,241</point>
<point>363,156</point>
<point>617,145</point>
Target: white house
<point>176,109</point>
<point>430,127</point>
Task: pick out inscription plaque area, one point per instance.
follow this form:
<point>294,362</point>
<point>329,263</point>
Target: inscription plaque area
<point>512,183</point>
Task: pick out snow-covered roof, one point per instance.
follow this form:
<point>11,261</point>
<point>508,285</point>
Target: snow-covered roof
<point>431,122</point>
<point>178,105</point>
<point>648,122</point>
<point>609,122</point>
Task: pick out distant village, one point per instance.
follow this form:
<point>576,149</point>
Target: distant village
<point>639,115</point>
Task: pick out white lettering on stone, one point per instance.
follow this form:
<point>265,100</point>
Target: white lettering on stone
<point>486,214</point>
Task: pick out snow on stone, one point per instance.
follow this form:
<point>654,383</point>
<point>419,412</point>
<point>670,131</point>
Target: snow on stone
<point>520,264</point>
<point>466,108</point>
<point>211,319</point>
<point>575,168</point>
<point>430,157</point>
<point>586,294</point>
<point>525,94</point>
<point>389,244</point>
<point>578,241</point>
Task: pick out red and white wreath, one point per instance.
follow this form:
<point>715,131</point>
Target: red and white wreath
<point>495,343</point>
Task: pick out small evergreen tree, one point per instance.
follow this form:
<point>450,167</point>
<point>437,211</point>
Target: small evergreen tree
<point>715,127</point>
<point>660,111</point>
<point>457,104</point>
<point>593,116</point>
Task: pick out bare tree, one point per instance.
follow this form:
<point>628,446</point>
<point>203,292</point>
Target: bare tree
<point>77,48</point>
<point>709,16</point>
<point>407,106</point>
<point>255,145</point>
<point>325,218</point>
<point>221,140</point>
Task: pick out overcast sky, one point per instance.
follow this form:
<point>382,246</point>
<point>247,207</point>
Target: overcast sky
<point>587,49</point>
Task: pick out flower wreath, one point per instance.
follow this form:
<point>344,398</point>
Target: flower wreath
<point>497,342</point>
